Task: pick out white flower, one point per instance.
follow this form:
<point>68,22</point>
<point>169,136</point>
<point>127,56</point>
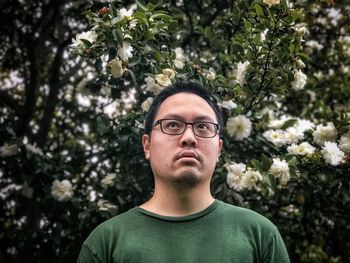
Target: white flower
<point>179,61</point>
<point>139,125</point>
<point>116,67</point>
<point>62,190</point>
<point>235,175</point>
<point>292,135</point>
<point>299,80</point>
<point>127,37</point>
<point>282,137</point>
<point>313,44</point>
<point>278,123</point>
<point>162,80</point>
<point>271,2</point>
<point>108,180</point>
<point>169,73</point>
<point>89,35</point>
<point>301,29</point>
<point>125,52</point>
<point>228,104</point>
<point>210,74</point>
<point>125,14</point>
<point>152,86</point>
<point>239,127</point>
<point>280,170</point>
<point>104,205</point>
<point>250,178</point>
<point>332,154</point>
<point>34,149</point>
<point>312,95</point>
<point>344,142</point>
<point>300,63</point>
<point>240,72</point>
<point>132,24</point>
<point>8,150</point>
<point>275,136</point>
<point>325,133</point>
<point>146,105</point>
<point>304,148</point>
<point>304,125</point>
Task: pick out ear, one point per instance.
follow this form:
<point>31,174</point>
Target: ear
<point>219,150</point>
<point>146,143</point>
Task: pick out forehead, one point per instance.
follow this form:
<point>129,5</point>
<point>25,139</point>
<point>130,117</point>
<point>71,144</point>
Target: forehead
<point>187,106</point>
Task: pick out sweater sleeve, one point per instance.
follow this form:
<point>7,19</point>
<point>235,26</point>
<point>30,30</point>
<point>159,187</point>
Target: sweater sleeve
<point>87,256</point>
<point>276,251</point>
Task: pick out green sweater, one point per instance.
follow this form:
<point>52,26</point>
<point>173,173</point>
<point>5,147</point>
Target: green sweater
<point>221,233</point>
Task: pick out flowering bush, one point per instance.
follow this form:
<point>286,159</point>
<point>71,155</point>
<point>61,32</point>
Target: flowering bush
<point>280,71</point>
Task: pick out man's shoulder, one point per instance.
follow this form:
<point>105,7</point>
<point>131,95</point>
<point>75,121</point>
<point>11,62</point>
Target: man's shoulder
<point>118,220</point>
<point>245,217</point>
<point>113,226</point>
<point>109,233</point>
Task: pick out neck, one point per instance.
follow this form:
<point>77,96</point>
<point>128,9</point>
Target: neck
<point>176,201</point>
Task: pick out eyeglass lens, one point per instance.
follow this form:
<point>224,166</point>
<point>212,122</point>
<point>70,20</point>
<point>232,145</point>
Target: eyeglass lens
<point>175,127</point>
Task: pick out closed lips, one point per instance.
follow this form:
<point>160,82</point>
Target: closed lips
<point>188,154</point>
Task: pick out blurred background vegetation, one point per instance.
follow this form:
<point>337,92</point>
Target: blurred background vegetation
<point>63,116</point>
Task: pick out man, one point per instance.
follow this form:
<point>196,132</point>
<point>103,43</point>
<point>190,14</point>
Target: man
<point>182,222</point>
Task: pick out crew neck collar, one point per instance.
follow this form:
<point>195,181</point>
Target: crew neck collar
<point>194,216</point>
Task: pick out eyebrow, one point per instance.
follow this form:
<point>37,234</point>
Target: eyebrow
<point>179,117</point>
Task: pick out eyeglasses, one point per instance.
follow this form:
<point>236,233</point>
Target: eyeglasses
<point>202,129</point>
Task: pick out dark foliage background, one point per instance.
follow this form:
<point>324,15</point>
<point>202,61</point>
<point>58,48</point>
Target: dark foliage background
<point>63,115</point>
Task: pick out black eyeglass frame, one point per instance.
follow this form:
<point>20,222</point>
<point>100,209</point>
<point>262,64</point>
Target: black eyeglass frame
<point>159,122</point>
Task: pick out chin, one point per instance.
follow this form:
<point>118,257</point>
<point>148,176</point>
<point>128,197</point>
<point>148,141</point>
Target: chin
<point>187,180</point>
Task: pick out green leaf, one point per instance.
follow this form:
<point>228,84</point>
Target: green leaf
<point>134,61</point>
<point>112,52</point>
<point>291,160</point>
<point>141,18</point>
<point>135,130</point>
<point>247,25</point>
<point>272,182</point>
<point>98,65</point>
<point>116,20</point>
<point>289,123</point>
<point>259,10</point>
<point>118,36</point>
<point>87,43</point>
<point>266,162</point>
<point>302,55</point>
<point>161,16</point>
<point>89,13</point>
<point>150,7</point>
<point>173,26</point>
<point>141,5</point>
<point>257,165</point>
<point>281,90</point>
<point>236,48</point>
<point>114,11</point>
<point>295,14</point>
<point>291,48</point>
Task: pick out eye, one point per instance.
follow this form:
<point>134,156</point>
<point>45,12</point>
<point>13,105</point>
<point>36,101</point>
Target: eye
<point>203,126</point>
<point>172,124</point>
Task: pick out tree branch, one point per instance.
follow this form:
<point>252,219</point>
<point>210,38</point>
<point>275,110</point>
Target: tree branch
<point>52,99</point>
<point>254,102</point>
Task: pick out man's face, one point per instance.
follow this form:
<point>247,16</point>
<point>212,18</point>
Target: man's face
<point>185,157</point>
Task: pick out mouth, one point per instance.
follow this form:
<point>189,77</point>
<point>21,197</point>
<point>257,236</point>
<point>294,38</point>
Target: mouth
<point>188,155</point>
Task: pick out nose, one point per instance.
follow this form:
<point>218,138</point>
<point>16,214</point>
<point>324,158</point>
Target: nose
<point>188,138</point>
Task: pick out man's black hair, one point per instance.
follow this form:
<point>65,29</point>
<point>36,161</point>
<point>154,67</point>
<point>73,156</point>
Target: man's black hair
<point>178,87</point>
